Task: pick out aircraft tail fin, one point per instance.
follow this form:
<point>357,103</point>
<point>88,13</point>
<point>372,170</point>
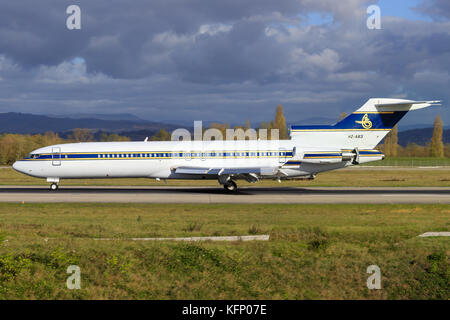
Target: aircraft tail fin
<point>364,128</point>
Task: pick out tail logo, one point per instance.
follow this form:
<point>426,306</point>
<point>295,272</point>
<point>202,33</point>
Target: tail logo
<point>365,122</point>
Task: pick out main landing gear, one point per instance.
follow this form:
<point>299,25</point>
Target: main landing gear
<point>230,186</point>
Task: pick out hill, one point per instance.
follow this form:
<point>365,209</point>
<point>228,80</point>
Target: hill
<point>420,136</point>
<point>137,129</point>
<point>24,123</point>
<point>100,116</point>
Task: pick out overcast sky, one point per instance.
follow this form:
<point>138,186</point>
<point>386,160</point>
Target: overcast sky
<point>222,60</point>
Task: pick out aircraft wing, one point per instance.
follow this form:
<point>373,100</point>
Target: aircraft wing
<point>263,171</point>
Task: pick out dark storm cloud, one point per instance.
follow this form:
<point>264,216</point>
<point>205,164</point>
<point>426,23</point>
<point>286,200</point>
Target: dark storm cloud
<point>243,53</point>
<point>115,34</point>
<point>216,60</point>
<point>438,9</point>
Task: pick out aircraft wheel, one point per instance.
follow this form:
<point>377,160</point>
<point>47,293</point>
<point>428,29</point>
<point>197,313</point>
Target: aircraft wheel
<point>54,187</point>
<point>230,186</point>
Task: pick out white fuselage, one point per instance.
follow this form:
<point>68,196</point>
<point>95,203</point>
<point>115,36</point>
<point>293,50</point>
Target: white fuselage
<point>160,159</point>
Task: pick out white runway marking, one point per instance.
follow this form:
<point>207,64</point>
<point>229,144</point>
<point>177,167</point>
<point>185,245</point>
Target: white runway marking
<point>264,237</point>
<point>435,234</point>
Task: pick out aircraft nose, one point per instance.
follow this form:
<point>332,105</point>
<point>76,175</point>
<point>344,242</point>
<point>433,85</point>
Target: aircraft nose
<point>18,166</point>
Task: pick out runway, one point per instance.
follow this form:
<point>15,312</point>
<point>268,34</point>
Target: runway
<point>35,194</point>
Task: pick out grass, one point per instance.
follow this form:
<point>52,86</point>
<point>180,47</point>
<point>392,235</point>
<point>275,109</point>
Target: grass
<point>355,177</point>
<point>315,251</point>
<point>411,162</point>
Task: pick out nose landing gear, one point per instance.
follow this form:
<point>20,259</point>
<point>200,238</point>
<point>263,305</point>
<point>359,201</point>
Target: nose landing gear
<point>54,187</point>
<point>54,181</point>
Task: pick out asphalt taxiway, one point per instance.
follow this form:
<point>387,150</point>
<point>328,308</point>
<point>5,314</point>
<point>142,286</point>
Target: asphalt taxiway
<point>35,194</point>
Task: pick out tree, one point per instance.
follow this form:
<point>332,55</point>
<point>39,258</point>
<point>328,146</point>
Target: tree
<point>265,126</point>
<point>390,146</point>
<point>247,125</point>
<point>49,138</point>
<point>280,122</point>
<point>222,127</point>
<point>81,135</point>
<point>387,145</point>
<point>394,141</point>
<point>414,150</point>
<point>113,137</point>
<point>436,144</point>
<point>161,135</point>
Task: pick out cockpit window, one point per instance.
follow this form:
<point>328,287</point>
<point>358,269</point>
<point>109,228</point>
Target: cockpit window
<point>34,155</point>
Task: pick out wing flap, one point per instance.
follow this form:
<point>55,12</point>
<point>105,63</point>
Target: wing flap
<point>228,171</point>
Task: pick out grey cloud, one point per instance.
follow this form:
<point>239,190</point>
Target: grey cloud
<point>215,60</point>
<point>437,9</point>
<point>242,54</point>
<point>35,34</point>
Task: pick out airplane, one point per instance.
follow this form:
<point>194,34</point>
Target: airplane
<point>312,149</point>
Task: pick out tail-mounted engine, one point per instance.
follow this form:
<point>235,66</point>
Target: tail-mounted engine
<point>351,156</point>
<point>355,156</point>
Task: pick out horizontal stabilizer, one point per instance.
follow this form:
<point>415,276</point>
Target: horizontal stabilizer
<point>437,102</point>
<point>411,105</point>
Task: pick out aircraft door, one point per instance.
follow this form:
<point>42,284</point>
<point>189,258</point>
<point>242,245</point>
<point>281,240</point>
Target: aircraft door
<point>56,156</point>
